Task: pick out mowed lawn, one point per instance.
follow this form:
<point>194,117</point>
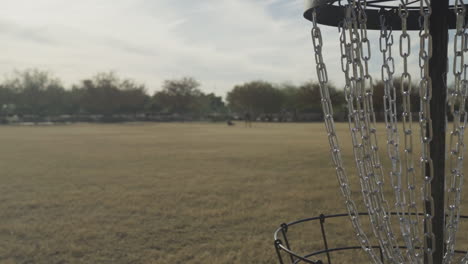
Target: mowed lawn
<point>164,193</point>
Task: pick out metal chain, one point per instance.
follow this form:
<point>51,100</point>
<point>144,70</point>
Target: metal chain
<point>387,71</point>
<point>425,123</point>
<point>464,260</point>
<point>372,131</point>
<point>457,102</point>
<point>362,127</point>
<point>355,55</point>
<point>334,143</point>
<point>415,250</point>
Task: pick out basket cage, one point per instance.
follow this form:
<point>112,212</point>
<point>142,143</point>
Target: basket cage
<point>313,240</point>
<point>316,245</point>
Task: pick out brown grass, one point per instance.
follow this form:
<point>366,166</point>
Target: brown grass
<point>164,193</point>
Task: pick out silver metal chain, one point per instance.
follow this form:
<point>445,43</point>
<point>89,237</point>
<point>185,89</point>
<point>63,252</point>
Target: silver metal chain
<point>387,71</point>
<point>425,123</point>
<point>362,126</point>
<point>457,102</point>
<point>415,249</point>
<point>374,144</point>
<point>356,116</point>
<point>355,50</point>
<point>334,143</point>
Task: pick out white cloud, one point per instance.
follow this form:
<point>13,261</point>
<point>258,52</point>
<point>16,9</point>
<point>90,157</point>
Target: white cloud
<point>219,42</point>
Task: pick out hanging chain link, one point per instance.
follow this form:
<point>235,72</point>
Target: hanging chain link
<point>457,102</point>
<point>415,249</point>
<point>387,71</point>
<point>333,140</point>
<point>362,126</point>
<point>425,123</point>
<point>355,51</point>
<point>379,177</point>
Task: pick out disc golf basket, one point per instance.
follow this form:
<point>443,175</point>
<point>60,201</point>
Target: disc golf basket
<point>424,172</point>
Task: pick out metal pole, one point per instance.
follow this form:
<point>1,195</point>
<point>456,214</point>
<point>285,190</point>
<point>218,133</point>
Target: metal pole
<point>324,236</point>
<point>437,71</point>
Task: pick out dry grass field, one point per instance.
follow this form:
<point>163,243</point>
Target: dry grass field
<point>164,193</point>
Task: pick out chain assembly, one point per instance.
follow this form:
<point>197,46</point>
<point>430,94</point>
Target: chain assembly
<point>355,49</point>
<point>333,139</point>
<point>425,124</point>
<point>361,117</point>
<point>416,251</point>
<point>372,124</point>
<point>457,103</point>
<point>387,70</point>
<point>356,118</point>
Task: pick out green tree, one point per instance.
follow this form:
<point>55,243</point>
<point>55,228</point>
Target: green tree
<point>36,92</point>
<point>8,99</point>
<point>133,97</point>
<point>180,96</point>
<point>290,96</point>
<point>211,104</point>
<point>308,98</point>
<point>256,98</point>
<point>379,93</point>
<point>106,94</point>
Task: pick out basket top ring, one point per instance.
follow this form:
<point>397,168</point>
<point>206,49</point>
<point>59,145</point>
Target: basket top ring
<point>331,14</point>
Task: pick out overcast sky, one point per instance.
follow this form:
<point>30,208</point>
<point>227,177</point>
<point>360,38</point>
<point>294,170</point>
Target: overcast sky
<point>219,42</point>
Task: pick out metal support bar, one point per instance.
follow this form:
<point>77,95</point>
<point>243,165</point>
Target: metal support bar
<point>284,230</point>
<point>381,254</point>
<point>324,236</point>
<point>278,251</point>
<point>437,71</point>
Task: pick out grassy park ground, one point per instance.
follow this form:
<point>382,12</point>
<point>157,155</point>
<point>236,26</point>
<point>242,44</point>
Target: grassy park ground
<point>164,193</point>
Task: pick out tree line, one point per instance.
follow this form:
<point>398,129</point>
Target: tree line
<point>288,102</point>
<point>36,94</point>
